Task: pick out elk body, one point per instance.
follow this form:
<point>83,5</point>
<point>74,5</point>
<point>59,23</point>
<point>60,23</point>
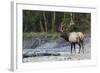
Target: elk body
<point>74,38</point>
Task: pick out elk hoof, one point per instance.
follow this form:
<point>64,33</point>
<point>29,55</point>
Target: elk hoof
<point>79,52</point>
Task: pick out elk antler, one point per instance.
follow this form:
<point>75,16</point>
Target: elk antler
<point>61,27</point>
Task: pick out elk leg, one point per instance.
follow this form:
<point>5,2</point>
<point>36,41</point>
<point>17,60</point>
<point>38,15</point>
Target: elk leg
<point>79,47</point>
<point>82,46</point>
<point>74,48</point>
<point>71,47</point>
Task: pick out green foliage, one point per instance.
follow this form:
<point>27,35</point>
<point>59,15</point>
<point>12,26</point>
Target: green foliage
<point>49,35</point>
<point>49,21</point>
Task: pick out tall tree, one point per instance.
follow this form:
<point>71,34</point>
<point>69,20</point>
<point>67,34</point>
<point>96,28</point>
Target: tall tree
<point>41,25</point>
<point>53,21</point>
<point>45,21</point>
<point>64,17</point>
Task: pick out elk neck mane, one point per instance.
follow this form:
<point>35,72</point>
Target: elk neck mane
<point>65,35</point>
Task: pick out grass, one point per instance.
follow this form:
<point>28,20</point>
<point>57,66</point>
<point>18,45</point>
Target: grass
<point>41,34</point>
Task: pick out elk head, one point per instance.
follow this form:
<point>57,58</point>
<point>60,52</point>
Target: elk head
<point>64,33</point>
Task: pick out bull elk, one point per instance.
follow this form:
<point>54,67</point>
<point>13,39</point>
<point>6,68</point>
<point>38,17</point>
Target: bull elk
<point>72,37</point>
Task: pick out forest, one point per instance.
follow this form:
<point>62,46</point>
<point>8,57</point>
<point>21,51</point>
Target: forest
<point>49,21</point>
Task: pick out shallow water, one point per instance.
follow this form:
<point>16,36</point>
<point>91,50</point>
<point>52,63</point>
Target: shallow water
<point>37,50</point>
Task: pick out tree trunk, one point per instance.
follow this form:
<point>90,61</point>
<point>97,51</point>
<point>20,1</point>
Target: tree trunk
<point>45,22</point>
<point>64,17</point>
<point>53,21</point>
<point>41,26</point>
